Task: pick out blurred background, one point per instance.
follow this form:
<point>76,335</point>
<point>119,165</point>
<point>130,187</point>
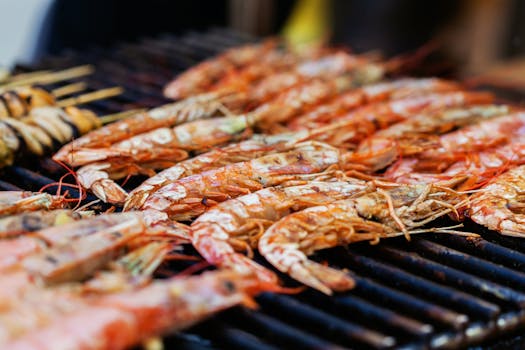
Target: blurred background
<point>471,37</point>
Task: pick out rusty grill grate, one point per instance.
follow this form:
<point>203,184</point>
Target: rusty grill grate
<point>434,292</point>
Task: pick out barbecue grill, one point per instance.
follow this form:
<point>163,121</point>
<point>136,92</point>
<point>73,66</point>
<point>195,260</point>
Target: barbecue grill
<point>436,292</point>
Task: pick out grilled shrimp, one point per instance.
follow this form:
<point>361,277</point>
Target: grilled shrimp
<point>461,151</point>
<point>14,202</point>
<point>160,148</point>
<point>238,223</point>
<point>255,147</point>
<point>202,77</point>
<point>190,109</point>
<point>399,211</point>
<point>387,113</point>
<point>73,251</point>
<point>416,134</point>
<point>15,225</point>
<point>190,196</point>
<point>397,89</point>
<point>127,318</point>
<point>499,204</point>
<point>298,100</point>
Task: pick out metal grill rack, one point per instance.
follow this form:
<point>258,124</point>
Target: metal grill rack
<point>435,292</point>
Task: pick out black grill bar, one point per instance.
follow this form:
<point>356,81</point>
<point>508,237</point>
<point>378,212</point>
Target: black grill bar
<point>281,333</point>
<point>450,276</point>
<point>430,290</point>
<point>474,265</point>
<point>315,319</point>
<point>481,247</point>
<point>409,304</point>
<point>361,308</point>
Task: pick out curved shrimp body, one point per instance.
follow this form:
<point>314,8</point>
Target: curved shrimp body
<point>298,100</point>
<point>203,76</point>
<point>14,202</point>
<point>417,134</point>
<point>157,149</point>
<point>15,225</point>
<point>499,204</point>
<point>190,109</point>
<point>75,250</point>
<point>238,223</point>
<point>255,147</point>
<point>461,150</point>
<point>288,242</point>
<point>397,89</point>
<point>467,172</point>
<point>125,319</point>
<point>191,196</point>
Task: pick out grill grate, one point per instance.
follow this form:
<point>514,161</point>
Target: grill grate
<point>434,292</point>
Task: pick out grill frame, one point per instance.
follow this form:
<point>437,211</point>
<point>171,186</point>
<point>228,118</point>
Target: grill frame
<point>434,292</point>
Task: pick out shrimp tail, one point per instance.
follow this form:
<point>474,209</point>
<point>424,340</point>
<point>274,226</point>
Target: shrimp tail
<point>321,277</point>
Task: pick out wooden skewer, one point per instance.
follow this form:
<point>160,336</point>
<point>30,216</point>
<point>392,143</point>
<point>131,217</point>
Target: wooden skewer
<point>4,75</point>
<point>23,76</point>
<point>106,119</point>
<point>69,89</point>
<point>91,96</point>
<point>53,77</point>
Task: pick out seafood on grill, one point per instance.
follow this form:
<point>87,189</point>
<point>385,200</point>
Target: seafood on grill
<point>257,146</point>
<point>170,115</point>
<point>157,149</point>
<point>189,197</point>
<point>417,134</point>
<point>163,147</point>
<point>126,318</point>
<point>237,224</point>
<point>15,225</point>
<point>15,202</point>
<point>476,152</point>
<point>369,94</point>
<point>499,204</point>
<point>75,250</point>
<point>381,213</point>
<point>201,78</point>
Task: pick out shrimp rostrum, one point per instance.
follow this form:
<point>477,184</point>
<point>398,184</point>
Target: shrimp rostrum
<point>382,213</point>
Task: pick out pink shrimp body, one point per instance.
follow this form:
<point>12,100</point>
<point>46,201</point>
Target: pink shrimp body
<point>191,196</point>
<point>240,222</point>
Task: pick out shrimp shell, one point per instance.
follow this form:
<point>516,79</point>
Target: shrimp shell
<point>499,204</point>
<point>240,222</point>
<point>288,242</point>
<point>192,195</point>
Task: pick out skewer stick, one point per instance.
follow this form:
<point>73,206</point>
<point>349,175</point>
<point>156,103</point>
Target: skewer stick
<point>69,89</point>
<point>106,119</point>
<point>90,96</point>
<point>23,76</point>
<point>53,77</point>
<point>4,75</point>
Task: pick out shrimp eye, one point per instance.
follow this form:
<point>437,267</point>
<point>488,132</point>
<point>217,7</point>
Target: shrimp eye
<point>229,286</point>
<point>31,223</point>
